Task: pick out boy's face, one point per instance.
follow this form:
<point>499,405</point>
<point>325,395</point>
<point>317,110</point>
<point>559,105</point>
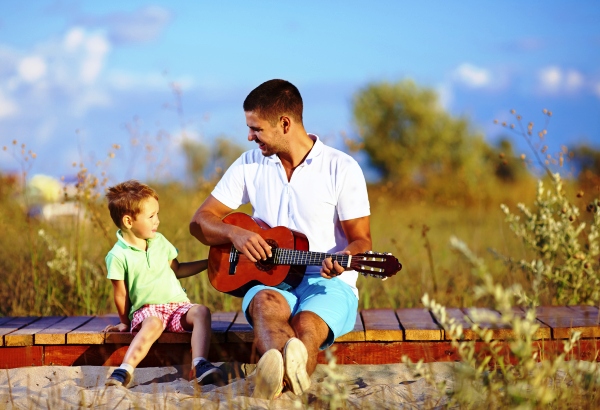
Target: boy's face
<point>145,224</point>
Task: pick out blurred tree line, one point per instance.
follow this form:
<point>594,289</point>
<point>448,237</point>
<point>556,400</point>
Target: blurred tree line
<point>417,148</point>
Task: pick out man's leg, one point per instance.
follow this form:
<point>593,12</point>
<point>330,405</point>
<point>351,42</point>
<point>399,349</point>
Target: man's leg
<point>313,332</point>
<point>270,314</point>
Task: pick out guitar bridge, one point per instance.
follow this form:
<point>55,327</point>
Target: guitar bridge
<point>234,257</point>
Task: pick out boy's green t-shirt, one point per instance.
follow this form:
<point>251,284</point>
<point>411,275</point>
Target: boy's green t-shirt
<point>147,274</point>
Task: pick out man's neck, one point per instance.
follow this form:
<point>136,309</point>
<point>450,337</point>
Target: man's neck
<point>299,150</point>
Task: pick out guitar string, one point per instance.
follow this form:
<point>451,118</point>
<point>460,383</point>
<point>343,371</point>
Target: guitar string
<point>295,257</point>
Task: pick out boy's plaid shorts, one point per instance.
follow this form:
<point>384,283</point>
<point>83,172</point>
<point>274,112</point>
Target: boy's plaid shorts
<point>169,313</point>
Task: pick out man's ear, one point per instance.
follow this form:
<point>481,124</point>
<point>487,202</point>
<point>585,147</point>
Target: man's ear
<point>286,123</point>
<point>127,221</point>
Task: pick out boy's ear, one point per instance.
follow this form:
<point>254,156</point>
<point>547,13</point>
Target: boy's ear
<point>127,221</point>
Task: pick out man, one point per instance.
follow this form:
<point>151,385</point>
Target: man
<point>291,180</point>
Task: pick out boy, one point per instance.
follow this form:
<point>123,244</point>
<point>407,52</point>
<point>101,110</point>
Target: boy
<point>144,272</point>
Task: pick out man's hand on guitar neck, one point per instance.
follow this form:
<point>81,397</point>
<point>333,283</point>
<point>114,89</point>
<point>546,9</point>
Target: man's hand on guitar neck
<point>331,269</point>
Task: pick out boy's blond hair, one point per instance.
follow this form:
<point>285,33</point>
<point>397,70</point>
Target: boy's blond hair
<point>126,199</point>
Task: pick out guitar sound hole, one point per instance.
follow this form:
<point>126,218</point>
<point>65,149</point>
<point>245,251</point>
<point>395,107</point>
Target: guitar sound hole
<point>268,264</point>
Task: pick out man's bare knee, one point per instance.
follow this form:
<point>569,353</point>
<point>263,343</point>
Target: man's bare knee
<point>268,302</point>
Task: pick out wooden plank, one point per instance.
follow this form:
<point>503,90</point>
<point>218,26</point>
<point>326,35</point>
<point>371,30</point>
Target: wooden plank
<point>112,354</point>
<point>57,333</point>
<point>564,320</point>
<point>459,317</point>
<point>500,331</point>
<point>5,319</point>
<point>22,356</point>
<point>543,333</point>
<point>381,325</point>
<point>15,324</point>
<point>418,324</point>
<point>220,324</point>
<point>442,351</point>
<point>240,330</point>
<point>345,352</point>
<point>355,335</point>
<point>590,310</point>
<point>84,355</point>
<point>92,333</point>
<point>25,335</point>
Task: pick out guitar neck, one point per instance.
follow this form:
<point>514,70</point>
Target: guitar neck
<point>307,258</point>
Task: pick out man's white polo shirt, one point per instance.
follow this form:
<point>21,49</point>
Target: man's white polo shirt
<point>326,188</point>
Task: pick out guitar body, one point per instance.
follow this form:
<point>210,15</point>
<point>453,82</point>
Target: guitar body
<point>246,274</point>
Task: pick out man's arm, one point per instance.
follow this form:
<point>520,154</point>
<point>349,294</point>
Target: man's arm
<point>358,233</point>
<point>208,227</point>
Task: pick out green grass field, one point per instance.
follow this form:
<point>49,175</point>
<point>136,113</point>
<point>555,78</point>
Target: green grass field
<point>63,272</point>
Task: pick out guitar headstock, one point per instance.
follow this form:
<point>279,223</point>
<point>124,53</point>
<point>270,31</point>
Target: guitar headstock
<point>375,264</point>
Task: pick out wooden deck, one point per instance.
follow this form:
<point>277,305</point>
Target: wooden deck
<point>379,336</point>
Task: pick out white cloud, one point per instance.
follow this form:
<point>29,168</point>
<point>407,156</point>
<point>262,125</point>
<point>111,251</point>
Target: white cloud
<point>445,96</point>
<point>557,80</point>
<point>143,25</point>
<point>551,78</point>
<point>125,80</point>
<point>573,80</point>
<point>96,48</point>
<point>73,39</point>
<point>472,76</point>
<point>60,77</point>
<point>91,98</point>
<point>139,26</point>
<point>596,89</point>
<point>8,108</point>
<point>32,68</point>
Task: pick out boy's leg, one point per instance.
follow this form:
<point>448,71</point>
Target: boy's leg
<point>198,320</point>
<point>152,328</point>
<point>150,331</point>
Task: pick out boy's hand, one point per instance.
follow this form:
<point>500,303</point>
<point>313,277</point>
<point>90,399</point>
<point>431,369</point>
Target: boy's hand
<point>121,327</point>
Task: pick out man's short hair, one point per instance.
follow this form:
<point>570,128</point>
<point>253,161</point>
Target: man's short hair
<point>275,98</point>
<point>126,199</point>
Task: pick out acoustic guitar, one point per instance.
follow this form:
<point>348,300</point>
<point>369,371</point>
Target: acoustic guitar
<point>231,272</point>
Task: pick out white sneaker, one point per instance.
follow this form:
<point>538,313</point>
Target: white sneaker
<point>295,358</point>
<point>269,376</point>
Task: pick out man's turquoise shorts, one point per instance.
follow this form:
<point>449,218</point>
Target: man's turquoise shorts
<point>331,299</point>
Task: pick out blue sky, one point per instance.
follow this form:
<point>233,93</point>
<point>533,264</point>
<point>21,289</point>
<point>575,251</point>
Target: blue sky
<point>77,77</point>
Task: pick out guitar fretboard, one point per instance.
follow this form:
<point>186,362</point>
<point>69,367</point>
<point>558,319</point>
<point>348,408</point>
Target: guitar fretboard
<point>308,258</point>
<point>293,257</point>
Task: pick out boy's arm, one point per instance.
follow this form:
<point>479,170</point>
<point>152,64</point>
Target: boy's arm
<point>123,305</point>
<point>186,269</point>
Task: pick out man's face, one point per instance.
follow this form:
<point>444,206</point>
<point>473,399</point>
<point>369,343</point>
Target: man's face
<point>269,138</point>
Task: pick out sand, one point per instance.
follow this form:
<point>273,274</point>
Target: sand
<point>367,386</point>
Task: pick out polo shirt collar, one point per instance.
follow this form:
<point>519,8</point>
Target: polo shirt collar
<point>126,244</point>
<point>316,150</point>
